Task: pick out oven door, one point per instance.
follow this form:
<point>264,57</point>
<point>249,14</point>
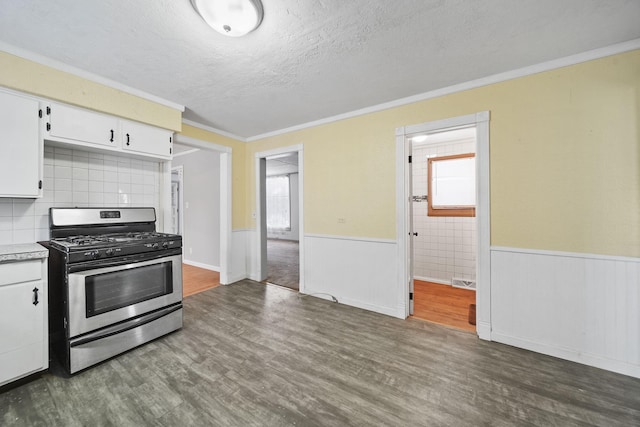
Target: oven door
<point>103,296</point>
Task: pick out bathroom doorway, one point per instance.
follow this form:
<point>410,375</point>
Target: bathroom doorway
<point>444,227</point>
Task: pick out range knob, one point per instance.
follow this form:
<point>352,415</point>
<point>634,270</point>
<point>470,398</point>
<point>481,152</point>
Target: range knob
<point>165,245</point>
<point>92,254</point>
<point>109,252</point>
<point>154,246</point>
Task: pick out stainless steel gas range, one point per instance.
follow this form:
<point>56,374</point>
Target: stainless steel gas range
<point>115,283</point>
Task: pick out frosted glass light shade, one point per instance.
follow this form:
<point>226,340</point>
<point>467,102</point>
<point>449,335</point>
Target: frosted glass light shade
<point>232,18</point>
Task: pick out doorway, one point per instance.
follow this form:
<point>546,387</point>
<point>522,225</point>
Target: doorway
<point>283,245</point>
<point>444,227</point>
<point>404,205</point>
<point>177,199</point>
<point>279,217</point>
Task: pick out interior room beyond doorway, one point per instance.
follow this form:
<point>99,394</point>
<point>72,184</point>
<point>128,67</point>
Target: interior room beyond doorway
<point>444,225</point>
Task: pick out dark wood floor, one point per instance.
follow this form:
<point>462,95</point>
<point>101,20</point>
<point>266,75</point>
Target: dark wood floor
<point>256,355</point>
<point>283,263</point>
<point>196,279</point>
<point>443,304</point>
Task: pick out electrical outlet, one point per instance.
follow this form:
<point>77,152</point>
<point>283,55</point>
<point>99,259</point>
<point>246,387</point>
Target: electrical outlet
<point>341,221</point>
<point>253,215</point>
<point>186,205</point>
<point>190,251</point>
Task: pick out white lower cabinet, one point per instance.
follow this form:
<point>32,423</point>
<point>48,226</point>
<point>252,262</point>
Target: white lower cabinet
<point>24,343</point>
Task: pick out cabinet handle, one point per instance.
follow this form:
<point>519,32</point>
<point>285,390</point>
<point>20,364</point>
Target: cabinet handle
<point>35,296</point>
<point>127,139</point>
<point>111,135</point>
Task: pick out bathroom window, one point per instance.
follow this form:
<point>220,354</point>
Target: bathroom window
<point>278,203</point>
<point>452,185</point>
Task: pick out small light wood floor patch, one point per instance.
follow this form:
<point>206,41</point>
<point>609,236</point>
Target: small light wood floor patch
<point>443,304</point>
<point>196,280</point>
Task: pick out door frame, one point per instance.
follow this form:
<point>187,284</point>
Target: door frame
<point>225,199</point>
<point>483,263</point>
<point>180,172</point>
<point>261,218</point>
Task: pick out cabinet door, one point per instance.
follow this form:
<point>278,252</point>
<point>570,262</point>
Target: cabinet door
<point>80,126</point>
<point>144,139</point>
<point>21,162</point>
<point>22,330</point>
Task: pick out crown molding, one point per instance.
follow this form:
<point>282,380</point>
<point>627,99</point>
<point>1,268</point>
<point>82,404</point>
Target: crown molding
<point>214,130</point>
<point>52,63</point>
<point>472,84</point>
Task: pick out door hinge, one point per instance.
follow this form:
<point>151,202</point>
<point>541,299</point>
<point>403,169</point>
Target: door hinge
<point>48,111</point>
<point>40,185</point>
<point>410,296</point>
<point>170,141</point>
<point>40,113</point>
<point>48,127</point>
<point>410,157</point>
<point>169,150</point>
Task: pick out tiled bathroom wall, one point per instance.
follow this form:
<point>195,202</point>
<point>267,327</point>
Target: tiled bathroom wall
<point>445,247</point>
<point>78,178</point>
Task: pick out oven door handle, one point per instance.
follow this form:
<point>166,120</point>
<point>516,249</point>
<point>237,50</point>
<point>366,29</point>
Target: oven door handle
<point>126,260</point>
<point>120,267</point>
<point>124,326</point>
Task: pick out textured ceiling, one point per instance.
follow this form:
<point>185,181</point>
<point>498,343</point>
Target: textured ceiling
<point>309,60</point>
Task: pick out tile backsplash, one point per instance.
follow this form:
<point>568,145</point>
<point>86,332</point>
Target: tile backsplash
<point>78,178</point>
<point>446,246</point>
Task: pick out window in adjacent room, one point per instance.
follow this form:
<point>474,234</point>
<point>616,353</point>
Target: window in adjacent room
<point>452,185</point>
<point>278,203</point>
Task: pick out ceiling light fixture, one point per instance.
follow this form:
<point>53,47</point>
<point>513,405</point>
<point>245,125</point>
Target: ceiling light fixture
<point>232,18</point>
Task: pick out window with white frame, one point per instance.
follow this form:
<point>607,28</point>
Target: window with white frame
<point>278,202</point>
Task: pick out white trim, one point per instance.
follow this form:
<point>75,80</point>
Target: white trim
<point>564,254</point>
<point>483,264</point>
<point>180,170</point>
<point>355,239</point>
<point>198,143</point>
<point>226,182</point>
<point>472,84</point>
<point>184,153</point>
<point>201,265</point>
<point>432,280</point>
<point>52,63</point>
<point>214,130</point>
<point>617,366</point>
<point>299,148</point>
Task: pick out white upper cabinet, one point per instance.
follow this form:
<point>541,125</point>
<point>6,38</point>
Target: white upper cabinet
<point>140,138</point>
<point>76,125</point>
<point>21,160</point>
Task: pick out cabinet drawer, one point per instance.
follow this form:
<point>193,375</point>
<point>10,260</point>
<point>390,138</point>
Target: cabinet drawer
<point>21,271</point>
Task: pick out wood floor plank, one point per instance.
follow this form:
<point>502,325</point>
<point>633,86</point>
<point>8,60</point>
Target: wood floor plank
<point>196,280</point>
<point>251,354</point>
<point>443,304</point>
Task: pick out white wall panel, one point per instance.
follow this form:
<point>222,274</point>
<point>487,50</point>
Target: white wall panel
<point>240,255</point>
<point>358,272</point>
<point>584,308</point>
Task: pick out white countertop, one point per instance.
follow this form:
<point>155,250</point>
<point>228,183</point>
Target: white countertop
<point>22,251</point>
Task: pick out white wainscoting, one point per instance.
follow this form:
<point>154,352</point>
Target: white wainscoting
<point>240,251</point>
<point>580,307</point>
<point>358,272</point>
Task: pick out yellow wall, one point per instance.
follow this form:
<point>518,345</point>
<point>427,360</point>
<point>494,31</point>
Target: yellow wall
<point>238,171</point>
<point>565,161</point>
<point>27,76</point>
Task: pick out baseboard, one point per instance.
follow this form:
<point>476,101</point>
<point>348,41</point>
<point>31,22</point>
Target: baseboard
<point>389,311</point>
<point>432,280</point>
<point>201,265</point>
<point>568,354</point>
<point>483,329</point>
